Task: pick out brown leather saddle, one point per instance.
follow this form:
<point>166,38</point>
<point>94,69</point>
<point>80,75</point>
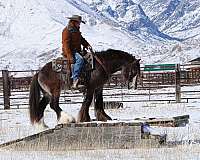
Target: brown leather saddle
<point>59,65</point>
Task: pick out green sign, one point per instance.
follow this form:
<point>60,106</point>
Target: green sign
<point>159,67</point>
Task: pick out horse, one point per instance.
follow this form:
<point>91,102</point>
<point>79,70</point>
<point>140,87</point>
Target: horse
<point>47,82</point>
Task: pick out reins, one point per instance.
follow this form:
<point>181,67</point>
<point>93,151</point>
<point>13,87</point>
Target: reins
<point>100,62</point>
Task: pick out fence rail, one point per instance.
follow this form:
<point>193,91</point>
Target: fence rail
<point>13,82</point>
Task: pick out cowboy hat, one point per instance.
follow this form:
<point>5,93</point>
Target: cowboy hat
<point>76,18</point>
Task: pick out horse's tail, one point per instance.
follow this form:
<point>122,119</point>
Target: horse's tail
<point>34,99</point>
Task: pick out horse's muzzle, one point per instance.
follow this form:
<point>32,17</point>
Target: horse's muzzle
<point>133,83</point>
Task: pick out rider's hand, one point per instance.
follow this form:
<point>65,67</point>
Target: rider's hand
<point>71,61</point>
<point>89,47</point>
<point>72,65</point>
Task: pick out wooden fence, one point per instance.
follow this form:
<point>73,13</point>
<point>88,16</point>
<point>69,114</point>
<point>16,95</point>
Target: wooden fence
<point>179,75</point>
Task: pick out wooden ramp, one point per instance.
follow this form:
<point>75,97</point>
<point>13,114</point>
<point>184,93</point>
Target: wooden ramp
<point>93,135</point>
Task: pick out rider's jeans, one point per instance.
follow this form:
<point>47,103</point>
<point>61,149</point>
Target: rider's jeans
<point>77,66</point>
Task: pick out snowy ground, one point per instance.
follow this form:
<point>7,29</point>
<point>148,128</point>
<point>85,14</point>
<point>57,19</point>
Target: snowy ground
<point>15,124</point>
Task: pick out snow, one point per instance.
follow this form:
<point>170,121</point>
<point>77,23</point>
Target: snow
<point>30,36</point>
<point>15,124</point>
<point>182,153</point>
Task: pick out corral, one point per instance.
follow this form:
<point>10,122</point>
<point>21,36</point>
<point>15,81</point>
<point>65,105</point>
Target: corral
<point>14,86</point>
<point>115,95</point>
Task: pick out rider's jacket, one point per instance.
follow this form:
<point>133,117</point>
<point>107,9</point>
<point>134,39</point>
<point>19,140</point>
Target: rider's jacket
<point>71,42</point>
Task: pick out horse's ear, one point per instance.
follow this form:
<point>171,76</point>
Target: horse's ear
<point>134,58</point>
<point>137,61</point>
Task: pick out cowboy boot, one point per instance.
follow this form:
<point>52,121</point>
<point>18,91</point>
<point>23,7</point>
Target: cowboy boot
<point>75,84</point>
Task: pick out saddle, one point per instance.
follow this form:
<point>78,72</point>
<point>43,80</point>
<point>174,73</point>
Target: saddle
<point>59,65</point>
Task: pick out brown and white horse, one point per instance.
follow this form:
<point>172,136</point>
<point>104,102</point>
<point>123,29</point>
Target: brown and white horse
<point>49,83</point>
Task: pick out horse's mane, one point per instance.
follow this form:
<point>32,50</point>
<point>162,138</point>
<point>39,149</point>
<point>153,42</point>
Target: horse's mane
<point>112,53</point>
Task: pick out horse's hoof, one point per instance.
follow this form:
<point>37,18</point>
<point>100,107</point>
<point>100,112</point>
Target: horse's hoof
<point>40,126</point>
<point>83,120</point>
<point>102,116</point>
<point>83,117</point>
<point>66,118</point>
<point>104,119</point>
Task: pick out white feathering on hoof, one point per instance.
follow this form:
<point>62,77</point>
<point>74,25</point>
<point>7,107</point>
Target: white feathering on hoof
<point>65,118</point>
<point>40,126</point>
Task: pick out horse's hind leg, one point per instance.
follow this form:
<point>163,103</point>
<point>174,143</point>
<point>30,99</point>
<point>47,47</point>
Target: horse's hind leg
<point>42,105</point>
<point>62,117</point>
<point>99,110</point>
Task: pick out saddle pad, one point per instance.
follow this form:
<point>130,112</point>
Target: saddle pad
<point>59,64</point>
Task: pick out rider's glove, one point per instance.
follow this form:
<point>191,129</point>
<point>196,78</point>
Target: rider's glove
<point>89,47</point>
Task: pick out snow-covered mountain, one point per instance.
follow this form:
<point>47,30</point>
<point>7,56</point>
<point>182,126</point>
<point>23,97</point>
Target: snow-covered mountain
<point>174,17</point>
<point>157,31</point>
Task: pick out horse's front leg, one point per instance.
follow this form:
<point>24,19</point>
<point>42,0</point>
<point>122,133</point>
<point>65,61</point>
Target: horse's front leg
<point>83,115</point>
<point>62,117</point>
<point>99,110</point>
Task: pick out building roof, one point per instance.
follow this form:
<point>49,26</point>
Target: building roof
<point>195,60</point>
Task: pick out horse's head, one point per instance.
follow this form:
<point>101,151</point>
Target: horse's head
<point>130,72</point>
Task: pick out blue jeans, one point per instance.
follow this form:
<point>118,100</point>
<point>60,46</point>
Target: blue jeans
<point>78,65</point>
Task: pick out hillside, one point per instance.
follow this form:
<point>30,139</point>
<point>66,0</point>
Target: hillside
<point>156,31</point>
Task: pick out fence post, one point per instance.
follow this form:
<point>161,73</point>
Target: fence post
<point>178,83</point>
<point>6,89</point>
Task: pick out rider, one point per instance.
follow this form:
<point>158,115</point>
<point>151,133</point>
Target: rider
<point>71,46</point>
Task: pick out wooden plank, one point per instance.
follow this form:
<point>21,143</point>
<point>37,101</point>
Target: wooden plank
<point>6,89</point>
<point>178,84</point>
<point>166,122</point>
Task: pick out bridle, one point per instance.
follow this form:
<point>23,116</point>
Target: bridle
<point>100,62</point>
